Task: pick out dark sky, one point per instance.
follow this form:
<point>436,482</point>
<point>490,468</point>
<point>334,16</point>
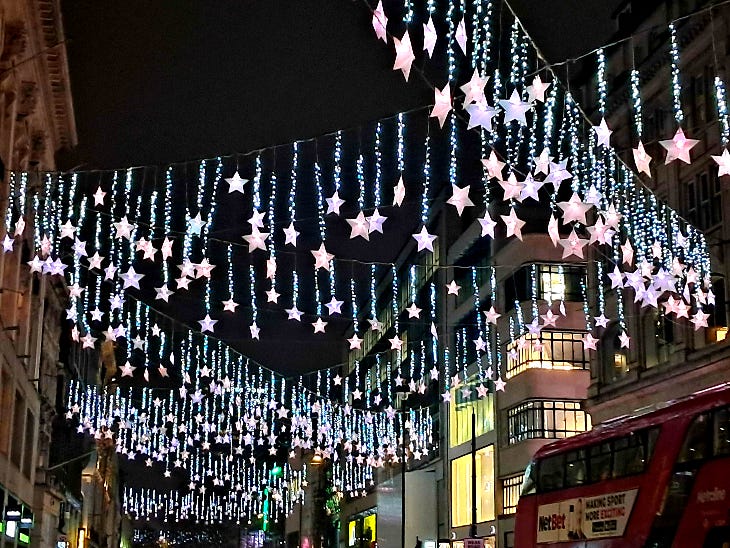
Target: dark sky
<point>170,80</point>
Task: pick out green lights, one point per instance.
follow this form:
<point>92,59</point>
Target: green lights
<point>276,472</point>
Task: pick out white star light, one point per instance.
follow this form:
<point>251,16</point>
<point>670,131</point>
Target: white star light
<point>460,198</point>
<point>290,235</point>
<point>333,203</point>
<point>678,147</point>
<point>359,226</point>
<point>321,257</point>
<point>195,225</point>
<point>574,209</point>
<point>536,92</point>
<point>131,278</point>
<point>429,36</point>
<point>256,240</point>
<point>481,114</point>
<point>424,239</point>
<point>487,224</point>
<point>334,306</point>
<point>404,56</point>
<point>642,159</point>
<point>319,326</point>
<point>99,196</point>
<point>235,183</point>
<point>399,192</point>
<point>603,134</point>
<point>515,108</point>
<point>513,223</point>
<point>207,324</point>
<point>294,313</point>
<point>442,104</point>
<point>474,89</point>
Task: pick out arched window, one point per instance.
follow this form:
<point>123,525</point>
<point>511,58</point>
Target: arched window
<point>613,358</point>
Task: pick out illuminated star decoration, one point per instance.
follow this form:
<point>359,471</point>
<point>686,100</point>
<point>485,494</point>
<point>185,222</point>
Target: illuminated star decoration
<point>424,239</point>
<point>723,163</point>
<point>474,89</point>
<point>322,258</point>
<point>403,54</point>
<point>442,104</point>
<point>380,22</point>
<point>99,196</point>
<point>481,114</point>
<point>429,36</point>
<point>603,133</point>
<point>460,36</point>
<point>256,240</point>
<point>359,227</point>
<point>235,183</point>
<point>290,235</point>
<point>574,209</point>
<point>513,223</point>
<point>642,159</point>
<point>399,192</point>
<point>460,198</point>
<point>678,147</point>
<point>207,324</point>
<point>536,92</point>
<point>515,108</point>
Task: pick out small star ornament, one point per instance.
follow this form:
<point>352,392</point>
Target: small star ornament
<point>642,159</point>
<point>442,104</point>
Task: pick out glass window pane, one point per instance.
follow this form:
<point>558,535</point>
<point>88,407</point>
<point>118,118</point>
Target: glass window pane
<point>551,473</point>
<point>697,441</point>
<point>722,431</point>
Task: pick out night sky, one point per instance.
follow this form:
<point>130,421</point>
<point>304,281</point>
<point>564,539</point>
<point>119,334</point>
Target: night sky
<point>172,80</point>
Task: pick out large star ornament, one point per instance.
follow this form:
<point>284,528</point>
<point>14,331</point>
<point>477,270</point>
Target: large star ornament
<point>678,147</point>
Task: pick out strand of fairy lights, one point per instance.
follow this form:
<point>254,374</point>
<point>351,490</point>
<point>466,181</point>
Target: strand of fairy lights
<point>676,85</point>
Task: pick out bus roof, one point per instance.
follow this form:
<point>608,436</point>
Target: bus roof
<point>715,396</point>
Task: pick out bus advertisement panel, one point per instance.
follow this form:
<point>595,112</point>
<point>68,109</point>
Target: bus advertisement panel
<point>585,518</point>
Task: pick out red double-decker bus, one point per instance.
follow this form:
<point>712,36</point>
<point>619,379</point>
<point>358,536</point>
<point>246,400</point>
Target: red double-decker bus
<point>661,479</point>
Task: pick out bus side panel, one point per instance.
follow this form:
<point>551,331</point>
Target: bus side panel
<point>708,505</point>
<point>525,520</point>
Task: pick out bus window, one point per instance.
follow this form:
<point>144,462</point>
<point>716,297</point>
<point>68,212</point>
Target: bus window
<point>629,455</point>
<point>551,473</point>
<point>697,442</point>
<point>600,462</point>
<point>575,470</point>
<point>722,431</point>
<point>529,483</point>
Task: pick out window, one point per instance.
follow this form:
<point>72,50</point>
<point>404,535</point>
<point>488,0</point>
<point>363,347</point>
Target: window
<point>6,410</point>
<point>16,446</point>
<point>511,493</point>
<point>575,468</point>
<point>551,473</point>
<point>546,419</point>
<point>722,431</point>
<point>697,445</point>
<point>617,458</point>
<point>553,282</point>
<point>461,475</point>
<point>704,199</point>
<point>552,350</point>
<point>29,443</point>
<point>557,282</point>
<point>460,412</point>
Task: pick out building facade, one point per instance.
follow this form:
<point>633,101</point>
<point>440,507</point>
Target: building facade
<point>36,122</point>
<point>671,359</point>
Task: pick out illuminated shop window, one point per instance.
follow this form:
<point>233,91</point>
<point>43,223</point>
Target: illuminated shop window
<point>461,501</point>
<point>461,409</point>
